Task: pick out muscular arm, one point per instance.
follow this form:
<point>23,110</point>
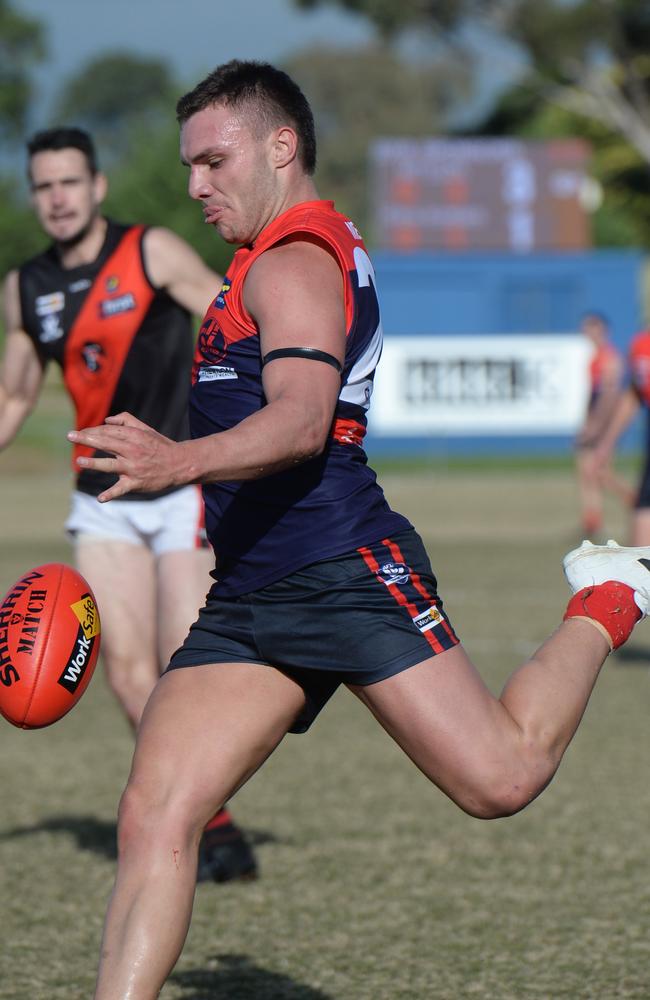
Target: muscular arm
<point>172,264</point>
<point>294,292</point>
<point>22,371</point>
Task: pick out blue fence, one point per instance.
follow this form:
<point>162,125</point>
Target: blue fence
<point>488,294</point>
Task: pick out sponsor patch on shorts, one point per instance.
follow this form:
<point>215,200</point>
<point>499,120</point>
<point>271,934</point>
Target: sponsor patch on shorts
<point>428,619</point>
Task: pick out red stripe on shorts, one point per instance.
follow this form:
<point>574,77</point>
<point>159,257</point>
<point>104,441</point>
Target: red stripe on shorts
<point>399,596</point>
<point>417,583</point>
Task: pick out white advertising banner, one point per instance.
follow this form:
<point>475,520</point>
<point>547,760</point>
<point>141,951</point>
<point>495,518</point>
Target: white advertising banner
<point>533,384</point>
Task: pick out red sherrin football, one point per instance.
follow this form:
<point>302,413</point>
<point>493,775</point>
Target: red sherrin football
<point>49,644</point>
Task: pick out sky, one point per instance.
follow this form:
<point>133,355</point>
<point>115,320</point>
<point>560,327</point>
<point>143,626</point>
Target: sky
<point>192,35</point>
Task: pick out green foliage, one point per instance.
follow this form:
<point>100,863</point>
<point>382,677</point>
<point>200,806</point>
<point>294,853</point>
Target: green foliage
<point>150,185</point>
<point>115,93</point>
<point>358,95</point>
<point>391,18</point>
<point>22,46</point>
<point>623,219</point>
<point>20,235</point>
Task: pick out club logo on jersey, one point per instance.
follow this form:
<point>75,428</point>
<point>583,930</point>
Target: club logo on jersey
<point>392,572</point>
<point>220,300</point>
<point>92,354</point>
<point>112,284</point>
<point>428,619</point>
<point>47,304</point>
<point>111,307</point>
<point>211,342</point>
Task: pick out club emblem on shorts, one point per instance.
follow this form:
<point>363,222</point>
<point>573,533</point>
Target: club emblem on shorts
<point>392,572</point>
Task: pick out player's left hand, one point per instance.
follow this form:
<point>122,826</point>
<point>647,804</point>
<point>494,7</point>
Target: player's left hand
<point>143,459</point>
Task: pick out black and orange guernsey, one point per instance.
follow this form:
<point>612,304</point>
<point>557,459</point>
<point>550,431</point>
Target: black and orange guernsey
<point>122,343</point>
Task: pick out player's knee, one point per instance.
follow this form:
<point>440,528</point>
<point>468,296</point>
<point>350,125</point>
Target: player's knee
<point>130,680</point>
<point>143,819</point>
<point>499,796</point>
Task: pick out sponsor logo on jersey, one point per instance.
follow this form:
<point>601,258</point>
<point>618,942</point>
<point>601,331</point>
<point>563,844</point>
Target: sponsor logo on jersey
<point>111,307</point>
<point>92,354</point>
<point>392,572</point>
<point>220,300</point>
<point>215,373</point>
<point>428,619</point>
<point>112,283</point>
<point>51,329</point>
<point>79,286</point>
<point>353,229</point>
<point>51,303</point>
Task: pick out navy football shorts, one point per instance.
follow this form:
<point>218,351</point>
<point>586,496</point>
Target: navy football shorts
<point>354,619</point>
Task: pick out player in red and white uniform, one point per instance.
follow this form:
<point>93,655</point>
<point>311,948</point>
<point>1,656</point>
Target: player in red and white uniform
<point>317,581</point>
<point>111,305</point>
<point>634,397</point>
<point>606,368</point>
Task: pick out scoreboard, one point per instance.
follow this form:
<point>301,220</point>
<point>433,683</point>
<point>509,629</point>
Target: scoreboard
<point>480,194</point>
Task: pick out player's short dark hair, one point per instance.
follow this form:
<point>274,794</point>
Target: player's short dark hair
<point>275,98</point>
<point>64,137</point>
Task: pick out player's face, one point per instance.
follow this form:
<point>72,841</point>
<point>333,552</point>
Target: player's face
<point>65,195</point>
<point>231,173</point>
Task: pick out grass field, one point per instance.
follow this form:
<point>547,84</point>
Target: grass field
<point>374,886</point>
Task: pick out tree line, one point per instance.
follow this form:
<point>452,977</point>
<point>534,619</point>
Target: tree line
<point>584,70</point>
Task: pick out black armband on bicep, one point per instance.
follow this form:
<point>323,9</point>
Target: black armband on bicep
<point>311,353</point>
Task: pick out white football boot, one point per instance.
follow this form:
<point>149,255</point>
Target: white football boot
<point>591,564</point>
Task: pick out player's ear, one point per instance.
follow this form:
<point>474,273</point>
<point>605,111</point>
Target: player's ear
<point>100,186</point>
<point>284,146</point>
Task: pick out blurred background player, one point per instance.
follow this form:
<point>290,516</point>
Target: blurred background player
<point>606,369</point>
<point>112,305</point>
<point>635,396</point>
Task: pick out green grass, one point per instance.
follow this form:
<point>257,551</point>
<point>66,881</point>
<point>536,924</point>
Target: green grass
<point>374,886</point>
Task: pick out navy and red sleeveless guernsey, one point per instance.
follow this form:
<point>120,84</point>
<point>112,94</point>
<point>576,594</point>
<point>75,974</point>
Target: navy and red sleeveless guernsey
<point>262,530</point>
<point>122,343</point>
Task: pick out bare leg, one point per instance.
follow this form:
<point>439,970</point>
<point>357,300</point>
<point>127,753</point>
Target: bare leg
<point>204,732</point>
<point>122,575</point>
<point>590,491</point>
<point>491,756</point>
<point>183,580</point>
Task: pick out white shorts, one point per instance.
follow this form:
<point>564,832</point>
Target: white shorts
<point>167,524</point>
